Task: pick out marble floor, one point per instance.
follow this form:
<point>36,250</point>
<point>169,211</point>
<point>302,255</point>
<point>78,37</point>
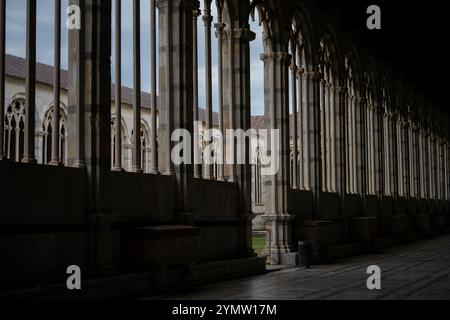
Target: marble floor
<point>419,270</point>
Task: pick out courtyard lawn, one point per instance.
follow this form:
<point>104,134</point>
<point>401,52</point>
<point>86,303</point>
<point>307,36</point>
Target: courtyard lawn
<point>259,243</point>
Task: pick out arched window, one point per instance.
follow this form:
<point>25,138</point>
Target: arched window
<point>327,110</point>
<point>113,144</point>
<point>47,136</point>
<point>297,119</point>
<point>370,122</point>
<point>145,148</point>
<point>351,128</point>
<point>14,130</point>
<point>385,100</point>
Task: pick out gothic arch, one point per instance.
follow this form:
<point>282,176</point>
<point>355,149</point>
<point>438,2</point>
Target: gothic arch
<point>47,134</point>
<point>269,18</point>
<point>14,128</point>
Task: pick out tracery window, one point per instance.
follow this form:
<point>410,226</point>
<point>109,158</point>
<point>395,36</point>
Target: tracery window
<point>386,141</point>
<point>327,118</point>
<point>14,130</point>
<point>370,133</point>
<point>351,128</point>
<point>47,134</point>
<point>145,148</point>
<point>113,144</point>
<point>298,118</point>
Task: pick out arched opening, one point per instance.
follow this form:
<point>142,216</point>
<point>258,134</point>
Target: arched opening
<point>328,90</point>
<point>47,136</point>
<point>114,144</point>
<point>14,130</point>
<point>371,124</point>
<point>298,120</point>
<point>351,85</point>
<point>145,148</point>
<point>258,122</point>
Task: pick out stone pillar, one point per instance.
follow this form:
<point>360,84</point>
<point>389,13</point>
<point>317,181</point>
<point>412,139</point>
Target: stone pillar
<point>313,141</point>
<point>294,71</point>
<point>341,143</point>
<point>361,110</point>
<point>239,109</point>
<point>176,91</point>
<point>276,67</point>
<point>393,160</point>
<point>93,55</point>
<point>75,156</point>
<point>207,20</point>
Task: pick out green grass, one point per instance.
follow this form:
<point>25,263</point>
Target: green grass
<point>259,243</point>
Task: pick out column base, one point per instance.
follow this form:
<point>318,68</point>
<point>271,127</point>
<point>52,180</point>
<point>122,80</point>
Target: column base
<point>56,163</point>
<point>79,164</point>
<point>284,258</point>
<point>137,170</point>
<point>29,160</point>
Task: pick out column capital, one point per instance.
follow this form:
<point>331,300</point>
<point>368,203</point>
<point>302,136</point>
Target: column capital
<point>300,72</point>
<point>362,100</point>
<point>220,27</point>
<point>196,12</point>
<point>207,19</point>
<point>313,75</point>
<point>240,33</point>
<point>341,89</point>
<point>177,3</point>
<point>277,56</point>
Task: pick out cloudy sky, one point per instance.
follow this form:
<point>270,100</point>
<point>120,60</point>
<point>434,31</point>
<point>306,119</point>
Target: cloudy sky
<point>15,38</point>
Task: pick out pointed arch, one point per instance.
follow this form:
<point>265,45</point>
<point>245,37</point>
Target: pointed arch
<point>48,131</point>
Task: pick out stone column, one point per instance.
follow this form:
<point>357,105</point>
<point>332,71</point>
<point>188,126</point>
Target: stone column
<point>197,152</point>
<point>313,141</point>
<point>276,65</point>
<point>393,159</point>
<point>294,68</point>
<point>341,143</point>
<point>239,111</point>
<point>219,34</point>
<point>361,110</point>
<point>379,168</point>
<point>207,20</point>
<point>94,57</point>
<point>75,139</point>
<point>176,90</point>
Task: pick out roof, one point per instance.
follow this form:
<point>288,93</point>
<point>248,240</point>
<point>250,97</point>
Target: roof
<point>16,67</point>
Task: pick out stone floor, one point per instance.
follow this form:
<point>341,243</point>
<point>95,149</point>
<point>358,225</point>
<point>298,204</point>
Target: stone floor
<point>419,270</point>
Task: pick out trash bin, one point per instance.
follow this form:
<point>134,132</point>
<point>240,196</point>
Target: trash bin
<point>305,254</point>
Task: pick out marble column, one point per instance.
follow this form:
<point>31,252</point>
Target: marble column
<point>176,92</point>
<point>276,65</point>
<point>207,20</point>
<point>361,110</point>
<point>238,111</point>
<point>314,142</point>
<point>294,138</point>
<point>95,84</point>
<point>219,34</point>
<point>341,143</point>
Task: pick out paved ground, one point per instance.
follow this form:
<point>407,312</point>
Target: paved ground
<point>420,270</point>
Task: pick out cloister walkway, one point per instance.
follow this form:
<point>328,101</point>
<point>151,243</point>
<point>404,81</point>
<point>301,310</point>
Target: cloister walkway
<point>418,270</point>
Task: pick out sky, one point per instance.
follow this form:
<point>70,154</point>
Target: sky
<point>15,45</point>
